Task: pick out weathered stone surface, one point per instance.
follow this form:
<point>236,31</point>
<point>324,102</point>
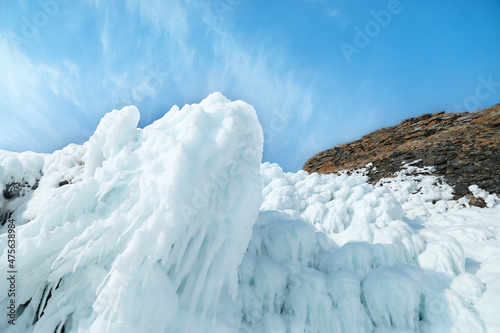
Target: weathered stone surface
<point>12,190</point>
<point>464,148</point>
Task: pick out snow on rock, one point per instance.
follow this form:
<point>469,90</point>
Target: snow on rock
<point>137,230</point>
<point>419,192</point>
<point>489,199</point>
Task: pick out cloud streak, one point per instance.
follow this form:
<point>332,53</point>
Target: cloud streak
<point>95,56</point>
<point>151,54</point>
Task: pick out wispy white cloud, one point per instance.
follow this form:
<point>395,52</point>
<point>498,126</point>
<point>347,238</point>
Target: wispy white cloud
<point>261,73</point>
<point>153,53</point>
<point>27,82</point>
<point>32,116</point>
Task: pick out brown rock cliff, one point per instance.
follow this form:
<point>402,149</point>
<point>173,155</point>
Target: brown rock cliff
<point>464,148</point>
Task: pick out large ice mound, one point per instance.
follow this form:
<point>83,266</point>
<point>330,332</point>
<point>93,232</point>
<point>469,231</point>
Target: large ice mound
<point>137,230</point>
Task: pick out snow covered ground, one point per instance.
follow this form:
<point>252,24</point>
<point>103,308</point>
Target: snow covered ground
<point>178,227</point>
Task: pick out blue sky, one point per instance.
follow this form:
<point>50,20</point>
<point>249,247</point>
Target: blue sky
<point>319,73</point>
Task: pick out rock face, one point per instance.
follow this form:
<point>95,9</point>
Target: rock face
<point>463,147</point>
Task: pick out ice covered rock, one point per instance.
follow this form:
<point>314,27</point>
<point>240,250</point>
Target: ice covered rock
<point>19,175</point>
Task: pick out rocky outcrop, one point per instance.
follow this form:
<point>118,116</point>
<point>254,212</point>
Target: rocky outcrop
<point>11,193</point>
<point>463,147</point>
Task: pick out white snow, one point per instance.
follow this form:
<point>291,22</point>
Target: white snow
<point>173,228</point>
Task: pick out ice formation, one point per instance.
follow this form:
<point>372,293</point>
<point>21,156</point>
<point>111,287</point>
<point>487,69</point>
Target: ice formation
<point>331,253</point>
<point>178,227</point>
<point>137,230</point>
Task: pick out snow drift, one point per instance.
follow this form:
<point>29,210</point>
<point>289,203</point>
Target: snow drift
<point>174,228</point>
